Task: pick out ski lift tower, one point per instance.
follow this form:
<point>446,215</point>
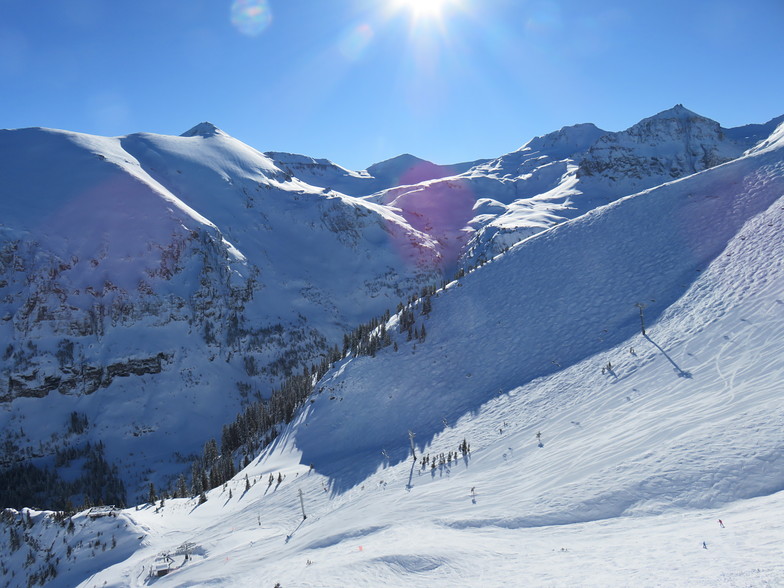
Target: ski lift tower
<point>641,306</point>
<point>302,504</point>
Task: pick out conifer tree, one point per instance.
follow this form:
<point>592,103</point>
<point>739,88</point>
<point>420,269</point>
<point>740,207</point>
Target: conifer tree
<point>182,489</point>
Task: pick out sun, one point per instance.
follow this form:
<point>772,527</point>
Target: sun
<point>424,9</point>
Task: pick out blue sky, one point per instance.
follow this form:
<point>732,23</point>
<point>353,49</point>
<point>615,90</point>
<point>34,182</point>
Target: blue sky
<point>359,81</point>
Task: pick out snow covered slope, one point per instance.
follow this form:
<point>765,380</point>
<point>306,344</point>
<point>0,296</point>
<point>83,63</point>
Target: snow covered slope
<point>401,170</point>
<point>551,302</point>
<point>152,284</point>
<point>562,175</point>
<point>598,455</point>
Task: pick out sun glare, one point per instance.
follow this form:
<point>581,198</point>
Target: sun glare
<point>424,9</point>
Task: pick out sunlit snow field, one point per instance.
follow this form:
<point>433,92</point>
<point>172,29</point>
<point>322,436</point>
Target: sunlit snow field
<point>646,442</point>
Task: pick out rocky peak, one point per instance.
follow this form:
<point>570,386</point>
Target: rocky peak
<point>671,144</point>
<point>676,123</point>
<point>677,111</point>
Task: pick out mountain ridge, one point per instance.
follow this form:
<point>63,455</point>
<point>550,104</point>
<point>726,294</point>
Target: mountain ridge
<point>233,260</point>
<point>605,393</point>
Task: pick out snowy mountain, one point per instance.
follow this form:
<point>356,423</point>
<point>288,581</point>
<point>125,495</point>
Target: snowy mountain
<point>152,286</point>
<point>401,170</point>
<point>669,145</point>
<point>147,282</point>
<point>600,405</point>
<point>564,174</point>
<point>575,293</point>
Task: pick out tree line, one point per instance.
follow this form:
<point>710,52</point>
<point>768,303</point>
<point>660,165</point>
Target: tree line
<point>27,485</point>
<point>257,426</point>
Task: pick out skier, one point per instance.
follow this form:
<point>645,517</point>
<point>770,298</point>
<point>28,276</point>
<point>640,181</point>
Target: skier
<point>704,545</point>
<point>721,524</point>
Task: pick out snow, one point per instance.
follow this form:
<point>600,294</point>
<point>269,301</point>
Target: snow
<point>564,174</point>
<point>635,464</point>
<point>566,142</point>
<point>203,129</point>
<point>407,169</point>
<point>133,247</point>
<point>591,272</point>
<point>599,456</point>
<point>774,141</point>
<point>401,170</point>
<point>750,135</point>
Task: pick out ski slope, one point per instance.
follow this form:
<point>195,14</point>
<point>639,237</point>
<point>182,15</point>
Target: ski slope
<point>552,301</point>
<point>644,442</point>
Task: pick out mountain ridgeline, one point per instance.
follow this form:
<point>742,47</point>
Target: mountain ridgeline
<point>159,286</point>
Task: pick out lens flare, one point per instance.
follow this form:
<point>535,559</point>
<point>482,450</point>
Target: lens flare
<point>442,209</point>
<point>251,17</point>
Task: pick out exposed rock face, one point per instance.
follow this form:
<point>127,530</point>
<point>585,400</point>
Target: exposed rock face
<point>85,380</point>
<point>64,331</point>
<point>670,145</point>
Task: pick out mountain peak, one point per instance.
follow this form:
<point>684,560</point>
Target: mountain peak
<point>668,145</point>
<point>678,112</point>
<point>680,109</point>
<point>402,159</point>
<point>677,121</point>
<point>203,129</point>
<point>566,141</point>
<point>408,169</point>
